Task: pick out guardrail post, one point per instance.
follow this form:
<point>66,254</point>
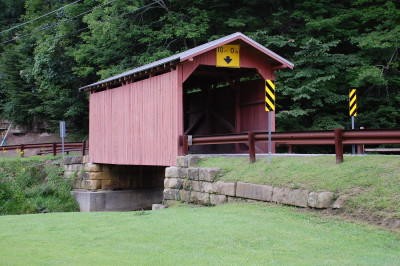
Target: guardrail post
<point>290,148</point>
<point>185,144</point>
<point>22,152</point>
<point>339,145</point>
<point>360,147</point>
<point>252,147</point>
<point>54,149</point>
<point>83,147</point>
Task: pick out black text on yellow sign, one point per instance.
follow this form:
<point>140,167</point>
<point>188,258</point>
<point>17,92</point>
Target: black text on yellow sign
<point>269,96</point>
<point>228,56</point>
<point>353,102</point>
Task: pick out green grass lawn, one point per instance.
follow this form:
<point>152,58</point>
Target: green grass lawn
<point>376,176</point>
<point>231,234</point>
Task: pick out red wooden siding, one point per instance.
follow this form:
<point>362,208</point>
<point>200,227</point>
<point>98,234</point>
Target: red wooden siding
<point>252,111</point>
<point>138,123</point>
<point>249,58</point>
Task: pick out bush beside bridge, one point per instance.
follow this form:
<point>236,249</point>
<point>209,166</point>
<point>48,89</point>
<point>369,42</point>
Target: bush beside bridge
<point>33,185</point>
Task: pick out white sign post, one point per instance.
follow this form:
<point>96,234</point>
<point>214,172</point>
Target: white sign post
<point>62,136</point>
<point>269,136</point>
<point>353,147</point>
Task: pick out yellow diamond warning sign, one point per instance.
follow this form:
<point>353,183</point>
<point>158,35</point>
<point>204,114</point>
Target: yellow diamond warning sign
<point>228,55</point>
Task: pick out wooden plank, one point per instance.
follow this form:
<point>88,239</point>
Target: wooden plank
<point>136,124</point>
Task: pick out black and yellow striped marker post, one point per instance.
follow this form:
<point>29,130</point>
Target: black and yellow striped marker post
<point>269,95</point>
<point>269,107</point>
<point>353,112</point>
<point>353,102</point>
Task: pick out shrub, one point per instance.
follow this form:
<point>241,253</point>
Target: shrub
<point>34,185</point>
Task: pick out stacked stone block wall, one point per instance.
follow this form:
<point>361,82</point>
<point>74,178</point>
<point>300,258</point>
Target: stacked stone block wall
<point>86,175</point>
<point>189,183</point>
<point>90,176</point>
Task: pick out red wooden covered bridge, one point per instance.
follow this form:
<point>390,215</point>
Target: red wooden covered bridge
<point>138,117</point>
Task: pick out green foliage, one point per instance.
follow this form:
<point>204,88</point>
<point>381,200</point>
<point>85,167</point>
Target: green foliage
<point>315,92</point>
<point>334,45</point>
<point>35,71</point>
<point>11,11</point>
<point>32,186</point>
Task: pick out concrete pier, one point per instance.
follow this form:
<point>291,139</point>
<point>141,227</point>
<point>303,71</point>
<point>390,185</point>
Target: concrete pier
<point>117,200</point>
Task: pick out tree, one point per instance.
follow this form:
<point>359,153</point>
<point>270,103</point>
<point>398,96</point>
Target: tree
<point>334,45</point>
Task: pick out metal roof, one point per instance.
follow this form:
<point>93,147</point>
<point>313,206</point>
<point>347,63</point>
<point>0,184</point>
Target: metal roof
<point>188,54</point>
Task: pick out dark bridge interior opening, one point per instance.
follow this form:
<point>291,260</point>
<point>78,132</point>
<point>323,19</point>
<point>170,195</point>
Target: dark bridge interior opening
<point>224,101</point>
<point>135,176</point>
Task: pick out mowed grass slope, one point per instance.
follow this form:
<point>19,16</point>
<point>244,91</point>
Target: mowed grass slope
<point>232,234</point>
<point>373,181</point>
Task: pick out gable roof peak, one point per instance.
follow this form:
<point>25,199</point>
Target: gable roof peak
<point>188,54</point>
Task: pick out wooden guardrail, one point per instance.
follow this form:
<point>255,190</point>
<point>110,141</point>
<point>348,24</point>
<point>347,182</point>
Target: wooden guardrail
<point>48,148</point>
<point>337,137</point>
<point>384,150</point>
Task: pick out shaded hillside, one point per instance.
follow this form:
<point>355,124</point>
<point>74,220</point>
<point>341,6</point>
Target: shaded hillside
<point>51,48</point>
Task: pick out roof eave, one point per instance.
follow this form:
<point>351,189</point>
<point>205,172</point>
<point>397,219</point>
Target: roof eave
<point>270,53</point>
<point>283,63</point>
<point>98,84</point>
<point>254,44</point>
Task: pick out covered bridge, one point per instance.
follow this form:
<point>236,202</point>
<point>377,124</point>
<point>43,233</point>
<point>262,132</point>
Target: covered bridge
<point>138,117</point>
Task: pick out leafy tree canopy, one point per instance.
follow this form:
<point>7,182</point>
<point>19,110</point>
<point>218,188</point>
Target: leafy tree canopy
<point>335,45</point>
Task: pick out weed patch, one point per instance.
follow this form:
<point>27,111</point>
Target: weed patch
<point>33,185</point>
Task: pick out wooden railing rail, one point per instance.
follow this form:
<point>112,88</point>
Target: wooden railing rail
<point>337,137</point>
<point>48,148</point>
